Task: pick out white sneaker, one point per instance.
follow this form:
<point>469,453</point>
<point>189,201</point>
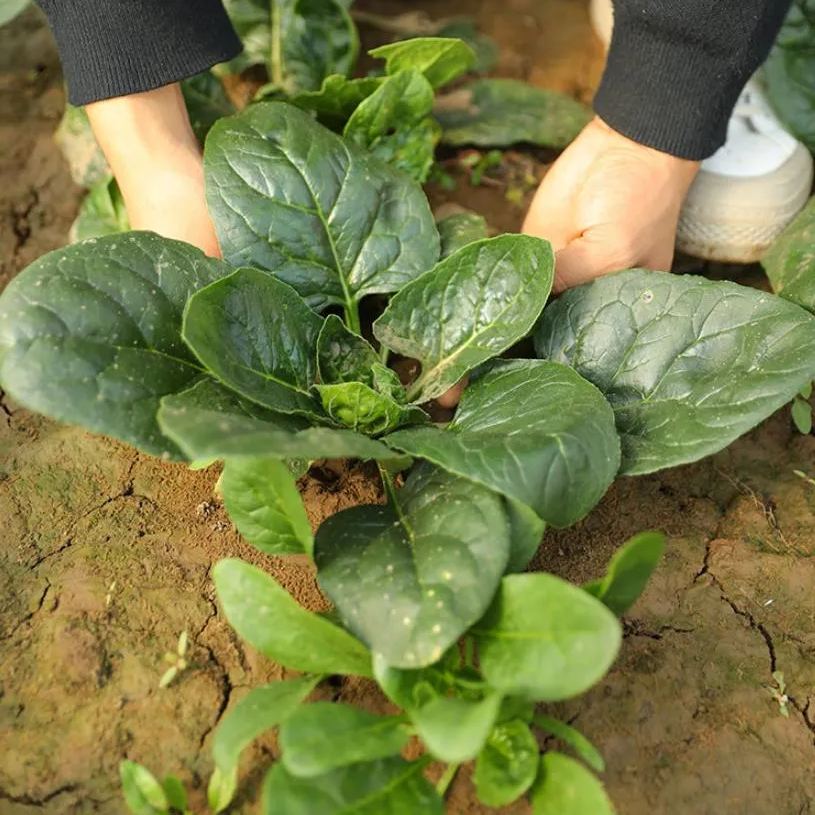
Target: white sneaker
<point>750,189</point>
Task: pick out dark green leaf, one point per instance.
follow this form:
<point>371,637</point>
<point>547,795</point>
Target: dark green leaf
<point>454,729</point>
<point>269,619</point>
<point>440,59</point>
<point>688,364</point>
<point>565,787</point>
<point>337,99</point>
<point>545,639</point>
<point>410,580</point>
<point>290,196</point>
<point>260,710</point>
<point>206,102</point>
<point>802,415</point>
<point>514,434</point>
<point>342,355</point>
<point>629,571</point>
<point>209,422</point>
<point>258,337</point>
<point>85,158</point>
<point>574,738</point>
<point>90,334</point>
<point>526,533</point>
<point>502,112</point>
<point>457,230</point>
<point>362,409</point>
<point>390,786</point>
<point>507,765</point>
<point>475,304</point>
<point>790,261</point>
<point>175,793</point>
<point>322,736</point>
<point>261,498</point>
<point>142,793</point>
<point>102,212</point>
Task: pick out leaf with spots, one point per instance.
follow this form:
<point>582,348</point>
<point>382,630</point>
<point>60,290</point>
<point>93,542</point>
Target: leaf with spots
<point>472,306</point>
<point>91,334</point>
<point>410,578</point>
<point>323,215</point>
<point>359,407</point>
<point>342,355</point>
<point>508,764</point>
<point>688,364</point>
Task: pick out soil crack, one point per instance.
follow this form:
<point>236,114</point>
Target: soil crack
<point>37,802</point>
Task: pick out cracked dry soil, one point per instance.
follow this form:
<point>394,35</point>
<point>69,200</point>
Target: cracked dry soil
<point>105,556</point>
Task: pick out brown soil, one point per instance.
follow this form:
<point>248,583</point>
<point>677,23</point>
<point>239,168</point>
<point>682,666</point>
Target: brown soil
<point>105,554</point>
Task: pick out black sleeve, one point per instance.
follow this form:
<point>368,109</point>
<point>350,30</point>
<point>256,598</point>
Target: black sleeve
<point>116,47</point>
<point>675,69</point>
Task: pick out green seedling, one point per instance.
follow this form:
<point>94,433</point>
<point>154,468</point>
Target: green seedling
<point>177,660</point>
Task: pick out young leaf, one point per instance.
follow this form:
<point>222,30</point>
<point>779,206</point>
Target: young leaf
<point>258,337</point>
<point>209,422</point>
<point>260,710</point>
<point>393,124</point>
<point>565,787</point>
<point>574,738</point>
<point>337,99</point>
<point>503,112</point>
<point>802,415</point>
<point>440,59</point>
<point>460,229</point>
<point>790,262</point>
<point>262,500</point>
<point>361,408</point>
<point>544,639</point>
<point>409,689</point>
<point>142,793</point>
<point>526,530</point>
<point>326,217</point>
<point>269,619</point>
<point>410,579</point>
<point>101,213</point>
<point>342,355</point>
<point>513,434</point>
<point>688,364</point>
<point>175,793</point>
<point>454,729</point>
<point>388,786</point>
<point>322,736</point>
<point>221,789</point>
<point>475,304</point>
<point>90,334</point>
<point>628,572</point>
<point>507,764</point>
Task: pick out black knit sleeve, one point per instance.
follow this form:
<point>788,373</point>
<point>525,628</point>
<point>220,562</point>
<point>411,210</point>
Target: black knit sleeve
<point>117,47</point>
<point>675,69</point>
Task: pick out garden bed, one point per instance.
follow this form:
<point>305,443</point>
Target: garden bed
<point>106,554</point>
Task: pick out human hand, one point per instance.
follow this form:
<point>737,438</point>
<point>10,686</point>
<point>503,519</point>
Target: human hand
<point>609,203</point>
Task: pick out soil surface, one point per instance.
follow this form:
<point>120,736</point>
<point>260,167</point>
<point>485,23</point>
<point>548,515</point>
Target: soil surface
<point>105,554</point>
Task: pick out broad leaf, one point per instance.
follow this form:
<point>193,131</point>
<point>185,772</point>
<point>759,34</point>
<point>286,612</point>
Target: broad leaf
<point>301,42</point>
<point>342,355</point>
<point>390,786</point>
<point>289,196</point>
<point>262,500</point>
<point>102,212</point>
<point>790,261</point>
<point>574,738</point>
<point>507,764</point>
<point>361,408</point>
<point>258,337</point>
<point>410,580</point>
<point>393,123</point>
<point>271,620</point>
<point>206,102</point>
<point>475,304</point>
<point>337,99</point>
<point>142,792</point>
<point>628,572</point>
<point>526,530</point>
<point>565,787</point>
<point>534,431</point>
<point>455,729</point>
<point>260,710</point>
<point>322,736</point>
<point>545,639</point>
<point>410,689</point>
<point>90,334</point>
<point>440,59</point>
<point>502,112</point>
<point>688,364</point>
<point>459,229</point>
<point>209,422</point>
<point>85,159</point>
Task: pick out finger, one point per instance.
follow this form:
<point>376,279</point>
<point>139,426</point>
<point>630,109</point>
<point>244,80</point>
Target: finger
<point>578,262</point>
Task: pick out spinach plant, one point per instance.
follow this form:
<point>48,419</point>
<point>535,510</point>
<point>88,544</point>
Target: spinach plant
<point>264,360</point>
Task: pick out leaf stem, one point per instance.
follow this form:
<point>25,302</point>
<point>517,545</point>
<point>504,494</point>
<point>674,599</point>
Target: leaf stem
<point>276,46</point>
<point>387,483</point>
<point>352,316</point>
<point>446,779</point>
<point>384,353</point>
